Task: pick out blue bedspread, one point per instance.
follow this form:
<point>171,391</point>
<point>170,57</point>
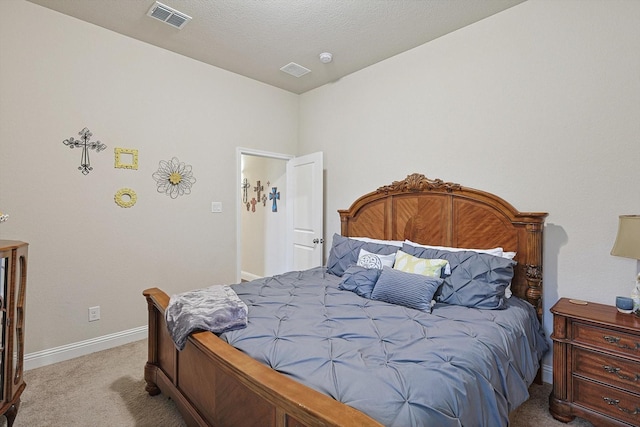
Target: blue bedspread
<point>457,366</point>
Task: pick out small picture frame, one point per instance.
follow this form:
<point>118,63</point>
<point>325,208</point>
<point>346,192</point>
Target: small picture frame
<point>126,158</point>
<point>125,198</point>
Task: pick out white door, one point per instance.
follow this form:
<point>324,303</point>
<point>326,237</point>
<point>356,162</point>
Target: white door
<point>305,212</point>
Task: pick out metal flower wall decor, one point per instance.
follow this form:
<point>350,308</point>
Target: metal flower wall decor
<point>174,178</point>
<point>86,144</point>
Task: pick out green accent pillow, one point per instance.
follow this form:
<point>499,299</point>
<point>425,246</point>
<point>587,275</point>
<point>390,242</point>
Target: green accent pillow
<point>426,267</point>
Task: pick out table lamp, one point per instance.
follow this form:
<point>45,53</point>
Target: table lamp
<point>628,245</point>
<point>628,239</point>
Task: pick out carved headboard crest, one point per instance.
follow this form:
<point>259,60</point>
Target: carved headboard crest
<point>419,182</point>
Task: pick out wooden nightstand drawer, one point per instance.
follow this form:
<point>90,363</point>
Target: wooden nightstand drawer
<point>609,369</point>
<point>610,401</point>
<point>620,342</point>
<point>596,364</point>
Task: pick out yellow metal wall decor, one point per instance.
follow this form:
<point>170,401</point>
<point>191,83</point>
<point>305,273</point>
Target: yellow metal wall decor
<point>126,197</point>
<point>123,154</point>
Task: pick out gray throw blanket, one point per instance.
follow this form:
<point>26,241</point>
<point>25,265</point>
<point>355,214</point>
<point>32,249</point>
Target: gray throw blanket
<point>216,309</point>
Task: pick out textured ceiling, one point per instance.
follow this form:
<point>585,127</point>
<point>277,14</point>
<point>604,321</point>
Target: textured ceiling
<point>255,38</point>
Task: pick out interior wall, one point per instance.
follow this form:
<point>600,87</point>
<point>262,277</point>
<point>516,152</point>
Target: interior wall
<point>59,75</point>
<point>263,230</point>
<point>538,104</point>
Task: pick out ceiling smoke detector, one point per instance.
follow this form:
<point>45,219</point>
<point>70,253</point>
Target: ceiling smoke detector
<point>168,15</point>
<point>326,57</point>
<point>295,70</point>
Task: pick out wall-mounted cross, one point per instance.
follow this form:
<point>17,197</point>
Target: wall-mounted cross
<point>245,186</point>
<point>85,136</point>
<point>258,189</point>
<point>253,204</point>
<point>274,195</point>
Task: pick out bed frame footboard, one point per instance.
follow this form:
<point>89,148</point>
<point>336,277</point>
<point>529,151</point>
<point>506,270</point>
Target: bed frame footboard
<point>214,384</point>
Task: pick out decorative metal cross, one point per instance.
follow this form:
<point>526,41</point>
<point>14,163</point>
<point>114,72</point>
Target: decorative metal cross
<point>85,134</point>
<point>274,195</point>
<point>253,204</point>
<point>264,200</point>
<point>245,186</point>
<point>258,189</point>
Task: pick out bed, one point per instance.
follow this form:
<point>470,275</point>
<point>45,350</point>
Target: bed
<point>465,352</point>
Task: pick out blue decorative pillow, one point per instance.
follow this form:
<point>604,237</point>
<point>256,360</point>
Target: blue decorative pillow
<point>344,252</point>
<point>360,280</point>
<point>477,280</point>
<point>410,290</point>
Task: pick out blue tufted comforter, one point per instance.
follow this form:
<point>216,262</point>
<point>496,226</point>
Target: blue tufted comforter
<point>457,366</point>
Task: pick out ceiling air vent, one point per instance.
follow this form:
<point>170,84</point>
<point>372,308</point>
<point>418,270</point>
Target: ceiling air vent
<point>295,70</point>
<point>168,15</point>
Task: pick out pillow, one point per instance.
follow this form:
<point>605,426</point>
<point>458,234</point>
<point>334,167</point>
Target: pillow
<point>493,251</point>
<point>344,252</point>
<point>359,280</point>
<point>426,267</point>
<point>397,243</point>
<point>477,279</point>
<point>507,292</point>
<point>410,290</point>
<point>368,260</point>
<point>508,255</point>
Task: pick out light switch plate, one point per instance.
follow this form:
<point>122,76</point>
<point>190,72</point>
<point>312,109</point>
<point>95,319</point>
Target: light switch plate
<point>216,207</point>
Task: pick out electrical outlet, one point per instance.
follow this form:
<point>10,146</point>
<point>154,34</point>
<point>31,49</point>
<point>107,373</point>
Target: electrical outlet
<point>94,313</point>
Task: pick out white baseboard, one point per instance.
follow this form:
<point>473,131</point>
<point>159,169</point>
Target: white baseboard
<point>245,275</point>
<point>81,348</point>
<point>547,374</point>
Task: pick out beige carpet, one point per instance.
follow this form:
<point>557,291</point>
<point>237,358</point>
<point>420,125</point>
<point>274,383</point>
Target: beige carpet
<point>107,389</point>
<point>101,389</point>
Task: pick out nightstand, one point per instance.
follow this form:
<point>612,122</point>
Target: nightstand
<point>596,364</point>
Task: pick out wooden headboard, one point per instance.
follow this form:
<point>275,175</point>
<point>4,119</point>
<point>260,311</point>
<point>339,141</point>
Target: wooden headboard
<point>442,213</point>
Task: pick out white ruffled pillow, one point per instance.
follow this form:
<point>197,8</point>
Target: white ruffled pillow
<point>493,251</point>
<point>397,243</point>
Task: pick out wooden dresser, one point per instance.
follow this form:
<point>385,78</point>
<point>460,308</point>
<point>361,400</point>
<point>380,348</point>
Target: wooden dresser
<point>596,364</point>
<point>13,283</point>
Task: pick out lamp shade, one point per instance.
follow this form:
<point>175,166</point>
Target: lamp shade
<point>628,239</point>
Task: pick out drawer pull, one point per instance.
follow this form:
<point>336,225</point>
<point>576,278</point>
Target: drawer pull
<point>616,340</point>
<point>616,371</point>
<point>615,403</point>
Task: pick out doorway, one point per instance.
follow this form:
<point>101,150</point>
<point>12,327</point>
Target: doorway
<point>262,218</point>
